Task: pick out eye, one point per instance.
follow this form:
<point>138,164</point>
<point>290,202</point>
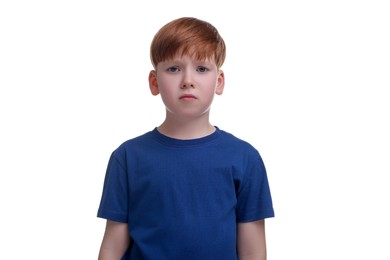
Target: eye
<point>173,69</point>
<point>202,69</point>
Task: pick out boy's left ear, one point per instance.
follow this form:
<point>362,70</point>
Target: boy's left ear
<point>153,85</point>
<point>220,83</point>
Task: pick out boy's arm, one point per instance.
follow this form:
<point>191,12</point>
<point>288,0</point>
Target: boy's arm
<point>251,241</point>
<point>116,239</point>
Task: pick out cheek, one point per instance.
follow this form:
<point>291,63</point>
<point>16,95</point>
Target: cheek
<point>167,82</point>
<point>166,89</point>
<point>209,83</point>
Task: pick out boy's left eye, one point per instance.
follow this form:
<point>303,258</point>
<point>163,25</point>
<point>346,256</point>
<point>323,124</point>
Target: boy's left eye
<point>201,69</point>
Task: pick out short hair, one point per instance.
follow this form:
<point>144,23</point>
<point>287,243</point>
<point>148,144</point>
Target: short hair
<point>188,36</point>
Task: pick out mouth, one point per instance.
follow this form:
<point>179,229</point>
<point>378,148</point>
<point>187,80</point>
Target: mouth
<point>188,96</point>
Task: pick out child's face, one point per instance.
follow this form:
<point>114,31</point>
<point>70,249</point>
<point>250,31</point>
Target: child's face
<point>187,86</point>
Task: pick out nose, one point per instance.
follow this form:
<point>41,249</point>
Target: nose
<point>187,85</point>
<point>187,81</point>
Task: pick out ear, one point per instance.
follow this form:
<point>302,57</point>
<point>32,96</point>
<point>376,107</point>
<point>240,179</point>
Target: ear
<point>153,86</point>
<point>220,83</point>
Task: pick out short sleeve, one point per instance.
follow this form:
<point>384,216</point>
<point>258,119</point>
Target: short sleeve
<point>114,200</point>
<point>254,200</point>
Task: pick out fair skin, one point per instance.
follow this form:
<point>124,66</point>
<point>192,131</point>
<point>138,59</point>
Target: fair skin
<point>187,88</point>
<point>115,241</point>
<point>251,244</point>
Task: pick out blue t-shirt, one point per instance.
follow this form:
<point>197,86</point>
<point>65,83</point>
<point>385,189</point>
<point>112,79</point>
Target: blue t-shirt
<point>182,199</point>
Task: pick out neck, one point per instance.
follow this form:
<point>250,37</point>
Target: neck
<point>186,129</point>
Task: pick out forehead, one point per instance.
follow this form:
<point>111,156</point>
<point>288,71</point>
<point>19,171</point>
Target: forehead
<point>195,53</point>
<point>188,58</point>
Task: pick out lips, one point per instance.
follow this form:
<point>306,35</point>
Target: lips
<point>187,96</point>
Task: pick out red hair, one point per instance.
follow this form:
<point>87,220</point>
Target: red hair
<point>188,36</point>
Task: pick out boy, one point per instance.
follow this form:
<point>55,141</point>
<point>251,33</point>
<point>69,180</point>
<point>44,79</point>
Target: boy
<point>186,189</point>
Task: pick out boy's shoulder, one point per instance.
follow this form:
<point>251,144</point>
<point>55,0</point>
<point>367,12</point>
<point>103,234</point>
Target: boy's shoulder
<point>137,141</point>
<point>238,143</point>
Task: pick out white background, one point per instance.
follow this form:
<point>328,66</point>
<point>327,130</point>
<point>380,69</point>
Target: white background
<point>306,83</point>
